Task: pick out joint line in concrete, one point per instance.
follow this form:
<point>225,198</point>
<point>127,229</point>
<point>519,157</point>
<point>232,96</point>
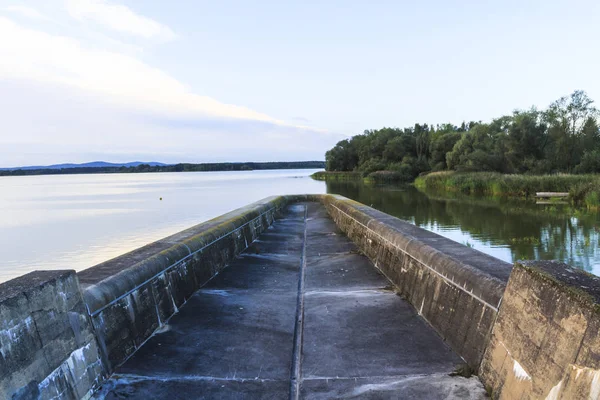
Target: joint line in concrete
<point>296,373</point>
<point>127,378</point>
<point>451,282</point>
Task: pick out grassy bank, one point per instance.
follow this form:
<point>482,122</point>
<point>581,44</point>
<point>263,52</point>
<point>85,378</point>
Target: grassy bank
<point>583,189</point>
<point>337,176</point>
<point>374,177</point>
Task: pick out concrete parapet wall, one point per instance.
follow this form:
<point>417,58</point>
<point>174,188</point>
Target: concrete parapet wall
<point>62,333</point>
<point>132,296</point>
<point>47,346</point>
<point>546,342</point>
<point>455,288</point>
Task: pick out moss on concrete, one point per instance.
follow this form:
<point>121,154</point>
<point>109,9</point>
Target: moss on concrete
<point>579,285</point>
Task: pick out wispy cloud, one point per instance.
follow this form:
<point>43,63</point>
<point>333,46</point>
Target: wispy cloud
<point>122,78</point>
<point>65,96</point>
<point>301,119</point>
<point>119,18</point>
<point>46,124</point>
<point>26,11</point>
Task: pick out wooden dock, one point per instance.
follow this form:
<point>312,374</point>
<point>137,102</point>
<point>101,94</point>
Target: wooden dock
<point>549,195</point>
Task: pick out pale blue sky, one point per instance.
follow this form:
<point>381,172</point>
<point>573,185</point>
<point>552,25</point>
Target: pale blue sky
<point>272,80</point>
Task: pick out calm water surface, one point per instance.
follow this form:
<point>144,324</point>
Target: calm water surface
<point>77,221</point>
<point>508,229</point>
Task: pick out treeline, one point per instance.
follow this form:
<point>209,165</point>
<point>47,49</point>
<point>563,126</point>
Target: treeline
<point>562,138</point>
<point>184,167</point>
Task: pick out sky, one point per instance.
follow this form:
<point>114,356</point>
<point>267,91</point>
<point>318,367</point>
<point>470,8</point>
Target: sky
<point>208,81</point>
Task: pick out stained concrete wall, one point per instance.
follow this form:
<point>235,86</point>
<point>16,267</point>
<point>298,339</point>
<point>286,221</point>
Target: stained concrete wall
<point>546,342</point>
<point>47,347</point>
<point>61,333</point>
<point>455,288</point>
<point>131,296</point>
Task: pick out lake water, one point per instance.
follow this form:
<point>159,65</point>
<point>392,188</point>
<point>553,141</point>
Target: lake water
<point>507,229</point>
<point>77,221</point>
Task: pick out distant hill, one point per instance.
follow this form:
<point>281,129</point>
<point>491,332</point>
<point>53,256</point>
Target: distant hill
<point>101,167</point>
<point>93,164</point>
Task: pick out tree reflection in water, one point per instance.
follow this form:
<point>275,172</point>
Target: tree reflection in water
<point>506,228</point>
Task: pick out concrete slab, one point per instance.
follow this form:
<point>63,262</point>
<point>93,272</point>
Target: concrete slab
<point>430,387</point>
<point>133,388</point>
<point>259,273</point>
<point>288,251</point>
<point>342,272</point>
<point>316,210</point>
<point>301,314</point>
<point>368,333</point>
<point>322,225</point>
<point>323,243</point>
<point>221,333</point>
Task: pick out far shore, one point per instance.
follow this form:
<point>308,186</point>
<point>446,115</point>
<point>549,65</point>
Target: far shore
<point>187,167</point>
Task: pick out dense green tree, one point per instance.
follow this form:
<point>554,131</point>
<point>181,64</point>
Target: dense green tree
<point>526,140</point>
<point>398,148</point>
<point>422,142</point>
<point>440,146</point>
<point>566,119</point>
<point>342,157</point>
<point>563,138</point>
<point>590,162</point>
<point>590,134</point>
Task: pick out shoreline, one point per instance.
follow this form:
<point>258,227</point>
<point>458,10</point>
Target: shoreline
<point>182,167</point>
<point>584,190</point>
<point>352,176</point>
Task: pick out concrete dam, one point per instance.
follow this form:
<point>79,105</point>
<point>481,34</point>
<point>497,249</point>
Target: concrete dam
<point>302,297</point>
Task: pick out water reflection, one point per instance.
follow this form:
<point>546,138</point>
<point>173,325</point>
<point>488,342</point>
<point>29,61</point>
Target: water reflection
<point>77,221</point>
<point>505,228</point>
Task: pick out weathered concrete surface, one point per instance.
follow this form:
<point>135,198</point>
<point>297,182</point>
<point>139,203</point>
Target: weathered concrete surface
<point>300,314</point>
<point>430,387</point>
<point>47,348</point>
<point>546,341</point>
<point>455,288</point>
<point>132,296</point>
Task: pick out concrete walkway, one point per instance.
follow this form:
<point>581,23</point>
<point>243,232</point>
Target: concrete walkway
<point>301,314</point>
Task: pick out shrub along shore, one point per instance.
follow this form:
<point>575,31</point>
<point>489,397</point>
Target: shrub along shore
<point>346,176</point>
<point>552,150</point>
<point>337,176</point>
<point>582,189</point>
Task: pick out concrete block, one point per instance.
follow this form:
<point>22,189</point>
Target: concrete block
<point>545,340</point>
<point>132,296</point>
<point>47,347</point>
